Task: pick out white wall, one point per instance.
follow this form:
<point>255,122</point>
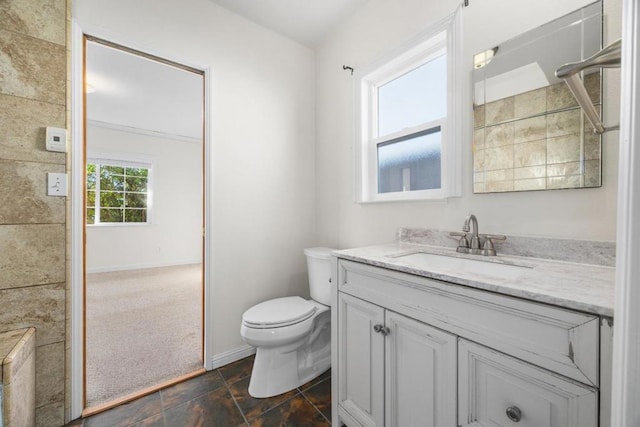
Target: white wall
<point>378,28</point>
<point>175,233</point>
<point>265,165</point>
<point>262,124</point>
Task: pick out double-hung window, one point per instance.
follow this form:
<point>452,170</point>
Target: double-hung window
<point>408,135</point>
<point>118,192</point>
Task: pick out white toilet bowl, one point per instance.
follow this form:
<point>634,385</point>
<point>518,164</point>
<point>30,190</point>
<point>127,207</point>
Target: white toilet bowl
<point>289,352</point>
<point>292,335</point>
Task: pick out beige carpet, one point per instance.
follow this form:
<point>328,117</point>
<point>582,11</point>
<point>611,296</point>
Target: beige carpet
<point>143,327</point>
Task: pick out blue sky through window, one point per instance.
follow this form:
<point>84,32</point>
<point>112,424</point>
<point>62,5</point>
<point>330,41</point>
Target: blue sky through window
<point>416,97</point>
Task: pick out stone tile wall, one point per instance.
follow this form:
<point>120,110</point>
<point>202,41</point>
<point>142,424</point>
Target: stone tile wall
<point>535,141</point>
<point>33,95</point>
<point>18,377</point>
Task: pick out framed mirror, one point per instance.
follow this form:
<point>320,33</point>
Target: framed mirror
<point>529,131</point>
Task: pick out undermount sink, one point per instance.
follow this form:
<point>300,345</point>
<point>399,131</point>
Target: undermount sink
<point>429,261</point>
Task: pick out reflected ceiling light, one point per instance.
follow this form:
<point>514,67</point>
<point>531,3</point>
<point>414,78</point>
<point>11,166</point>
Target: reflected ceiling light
<point>483,58</point>
<point>95,82</point>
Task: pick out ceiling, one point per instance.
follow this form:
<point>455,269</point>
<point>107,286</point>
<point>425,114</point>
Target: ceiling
<point>305,21</point>
<point>139,93</point>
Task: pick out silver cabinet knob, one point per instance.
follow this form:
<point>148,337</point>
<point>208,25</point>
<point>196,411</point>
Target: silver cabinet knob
<point>514,413</point>
<point>381,329</point>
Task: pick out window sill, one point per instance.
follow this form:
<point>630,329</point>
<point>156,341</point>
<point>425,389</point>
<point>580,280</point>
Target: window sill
<point>119,224</point>
<point>407,199</point>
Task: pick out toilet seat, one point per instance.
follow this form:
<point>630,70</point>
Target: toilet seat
<point>279,312</point>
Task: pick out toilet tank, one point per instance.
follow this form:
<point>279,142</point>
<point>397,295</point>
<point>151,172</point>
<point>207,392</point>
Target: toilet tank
<point>319,267</point>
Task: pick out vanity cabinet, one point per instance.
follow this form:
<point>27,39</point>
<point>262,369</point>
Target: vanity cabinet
<point>412,351</point>
<point>393,370</point>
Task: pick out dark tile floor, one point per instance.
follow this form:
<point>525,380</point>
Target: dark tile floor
<point>221,398</point>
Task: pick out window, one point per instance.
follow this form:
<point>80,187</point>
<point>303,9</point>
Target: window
<point>409,127</point>
<point>117,192</point>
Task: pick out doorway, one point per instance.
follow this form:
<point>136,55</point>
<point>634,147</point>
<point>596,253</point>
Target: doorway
<point>144,219</point>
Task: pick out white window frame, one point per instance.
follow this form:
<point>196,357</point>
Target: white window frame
<point>443,37</point>
<point>127,162</point>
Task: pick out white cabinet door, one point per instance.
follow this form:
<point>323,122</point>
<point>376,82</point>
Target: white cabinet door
<point>496,390</point>
<point>420,374</point>
<point>360,361</point>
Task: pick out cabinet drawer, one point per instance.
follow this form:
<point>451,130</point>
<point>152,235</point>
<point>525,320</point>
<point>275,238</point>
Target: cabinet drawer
<point>561,340</point>
<point>498,390</point>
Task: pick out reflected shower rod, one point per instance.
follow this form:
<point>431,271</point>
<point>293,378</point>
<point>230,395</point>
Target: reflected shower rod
<point>609,57</point>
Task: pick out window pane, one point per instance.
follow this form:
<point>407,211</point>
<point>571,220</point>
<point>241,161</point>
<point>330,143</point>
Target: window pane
<point>122,196</point>
<point>91,216</point>
<point>137,172</point>
<point>91,176</point>
<point>133,200</point>
<point>111,200</point>
<point>410,164</point>
<point>136,184</point>
<point>116,170</point>
<point>108,181</point>
<point>416,97</point>
<point>111,215</point>
<point>91,181</point>
<point>135,215</point>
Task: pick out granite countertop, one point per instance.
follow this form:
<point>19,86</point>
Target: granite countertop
<point>584,287</point>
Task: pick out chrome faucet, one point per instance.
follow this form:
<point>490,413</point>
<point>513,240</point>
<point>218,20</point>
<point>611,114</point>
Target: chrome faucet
<point>475,238</point>
<point>480,244</point>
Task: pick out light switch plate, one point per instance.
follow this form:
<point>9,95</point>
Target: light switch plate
<point>56,184</point>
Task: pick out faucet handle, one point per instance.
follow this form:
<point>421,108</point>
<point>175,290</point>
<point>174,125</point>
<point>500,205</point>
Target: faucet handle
<point>488,249</point>
<point>463,243</point>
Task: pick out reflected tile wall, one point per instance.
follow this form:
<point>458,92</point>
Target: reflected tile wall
<point>499,111</point>
<point>499,135</point>
<point>532,129</point>
<point>535,141</point>
<point>530,154</point>
<point>33,95</point>
<point>530,103</point>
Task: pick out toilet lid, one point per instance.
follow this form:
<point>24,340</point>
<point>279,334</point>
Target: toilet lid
<point>278,312</point>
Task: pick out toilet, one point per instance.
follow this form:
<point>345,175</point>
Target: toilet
<point>292,335</point>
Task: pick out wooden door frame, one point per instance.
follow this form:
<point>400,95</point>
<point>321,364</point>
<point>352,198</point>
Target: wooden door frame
<point>76,231</point>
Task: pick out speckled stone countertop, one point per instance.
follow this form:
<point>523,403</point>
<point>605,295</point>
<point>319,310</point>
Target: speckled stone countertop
<point>584,287</point>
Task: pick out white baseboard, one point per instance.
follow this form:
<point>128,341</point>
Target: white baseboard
<point>140,266</point>
<point>232,355</point>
